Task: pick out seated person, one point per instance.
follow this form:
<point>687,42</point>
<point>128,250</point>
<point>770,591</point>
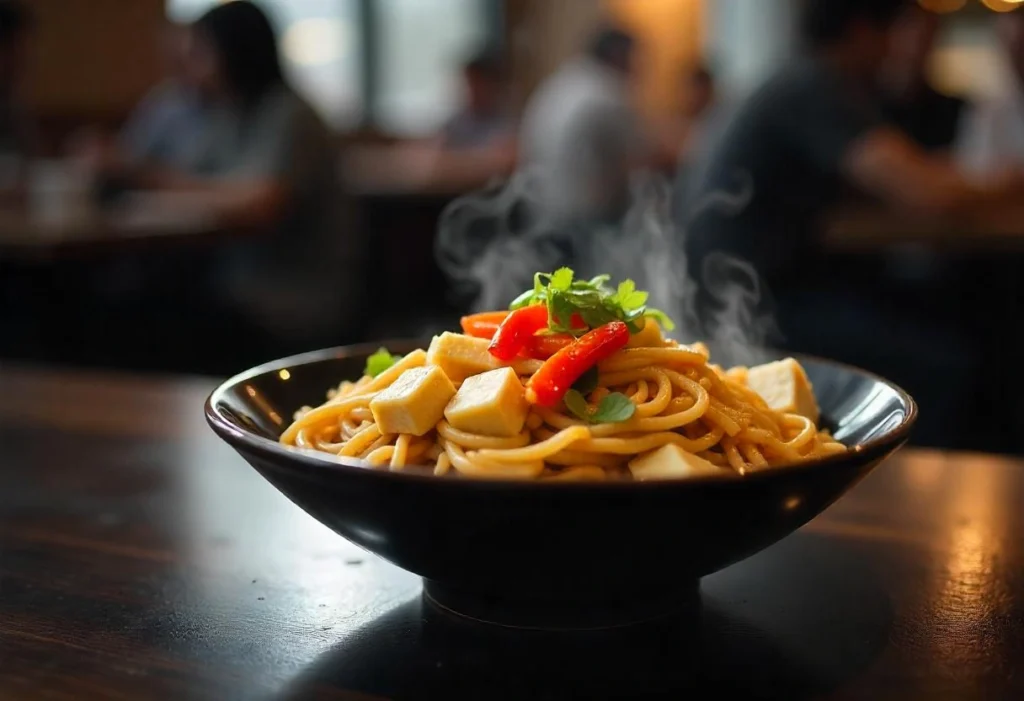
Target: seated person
<point>167,124</point>
<point>810,133</point>
<point>264,163</point>
<point>583,133</point>
<point>474,145</point>
<point>992,138</point>
<point>485,120</point>
<point>702,115</point>
<point>910,101</point>
<point>477,143</point>
<point>697,106</point>
<point>790,152</point>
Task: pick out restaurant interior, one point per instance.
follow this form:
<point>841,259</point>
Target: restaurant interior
<point>419,107</point>
<point>610,488</point>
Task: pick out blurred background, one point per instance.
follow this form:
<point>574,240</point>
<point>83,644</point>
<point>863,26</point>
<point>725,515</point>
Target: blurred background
<point>198,186</point>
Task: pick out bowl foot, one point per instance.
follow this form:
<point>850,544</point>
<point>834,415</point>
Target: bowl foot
<point>563,614</point>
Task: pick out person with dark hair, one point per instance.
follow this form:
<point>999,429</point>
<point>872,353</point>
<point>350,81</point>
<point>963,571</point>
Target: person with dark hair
<point>698,94</point>
<point>583,133</point>
<point>236,53</point>
<point>614,47</point>
<point>910,101</point>
<point>18,138</point>
<point>485,120</point>
<point>812,132</point>
<point>829,23</point>
<point>698,99</point>
<point>265,162</point>
<point>698,120</point>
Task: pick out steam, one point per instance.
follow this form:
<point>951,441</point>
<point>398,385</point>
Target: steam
<point>491,243</point>
<point>739,325</point>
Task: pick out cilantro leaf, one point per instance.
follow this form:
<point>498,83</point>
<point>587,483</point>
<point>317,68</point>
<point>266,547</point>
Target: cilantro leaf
<point>635,301</point>
<point>587,382</point>
<point>379,362</point>
<point>561,280</point>
<point>590,300</point>
<point>576,403</point>
<point>629,298</point>
<point>615,408</point>
<point>625,289</point>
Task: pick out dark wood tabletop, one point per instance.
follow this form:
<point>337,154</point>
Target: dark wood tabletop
<point>141,559</point>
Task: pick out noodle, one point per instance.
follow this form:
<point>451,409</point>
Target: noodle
<point>679,399</point>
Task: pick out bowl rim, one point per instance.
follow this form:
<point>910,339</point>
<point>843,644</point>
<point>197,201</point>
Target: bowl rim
<point>315,460</point>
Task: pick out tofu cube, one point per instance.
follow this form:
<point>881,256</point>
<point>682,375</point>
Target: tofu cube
<point>415,403</point>
<point>461,356</point>
<point>491,404</point>
<point>672,462</point>
<point>785,387</point>
<point>649,337</point>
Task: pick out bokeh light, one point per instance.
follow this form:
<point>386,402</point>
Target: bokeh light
<point>1003,5</point>
<point>315,41</point>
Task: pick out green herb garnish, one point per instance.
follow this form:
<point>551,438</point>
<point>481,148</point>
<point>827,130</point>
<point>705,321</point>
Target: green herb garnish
<point>379,362</point>
<point>569,300</point>
<point>615,408</point>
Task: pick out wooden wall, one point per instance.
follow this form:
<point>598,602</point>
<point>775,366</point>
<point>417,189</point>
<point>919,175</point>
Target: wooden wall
<point>671,32</point>
<point>91,60</point>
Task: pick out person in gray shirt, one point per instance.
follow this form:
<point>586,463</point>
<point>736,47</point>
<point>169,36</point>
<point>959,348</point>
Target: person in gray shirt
<point>167,123</point>
<point>583,134</point>
<point>265,163</point>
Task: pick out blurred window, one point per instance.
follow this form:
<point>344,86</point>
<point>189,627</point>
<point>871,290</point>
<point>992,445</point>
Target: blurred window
<point>422,44</point>
<point>321,47</point>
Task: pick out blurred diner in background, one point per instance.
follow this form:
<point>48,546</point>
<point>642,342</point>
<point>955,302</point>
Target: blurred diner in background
<point>199,186</point>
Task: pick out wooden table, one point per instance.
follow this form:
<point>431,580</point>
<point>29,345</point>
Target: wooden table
<point>416,171</point>
<point>141,559</point>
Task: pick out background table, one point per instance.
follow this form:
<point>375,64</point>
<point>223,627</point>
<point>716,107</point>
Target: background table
<point>868,228</point>
<point>140,559</point>
<point>139,219</point>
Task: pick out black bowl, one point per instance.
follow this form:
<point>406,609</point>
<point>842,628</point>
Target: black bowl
<point>552,554</point>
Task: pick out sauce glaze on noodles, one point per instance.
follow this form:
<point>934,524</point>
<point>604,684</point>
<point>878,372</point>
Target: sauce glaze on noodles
<point>680,398</point>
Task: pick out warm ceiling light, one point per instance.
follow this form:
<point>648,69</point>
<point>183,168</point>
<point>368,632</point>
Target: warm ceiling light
<point>1003,5</point>
<point>942,6</point>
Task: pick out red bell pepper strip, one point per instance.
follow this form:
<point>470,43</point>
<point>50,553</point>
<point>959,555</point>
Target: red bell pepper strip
<point>514,334</point>
<point>556,376</point>
<point>543,346</point>
<point>483,325</point>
